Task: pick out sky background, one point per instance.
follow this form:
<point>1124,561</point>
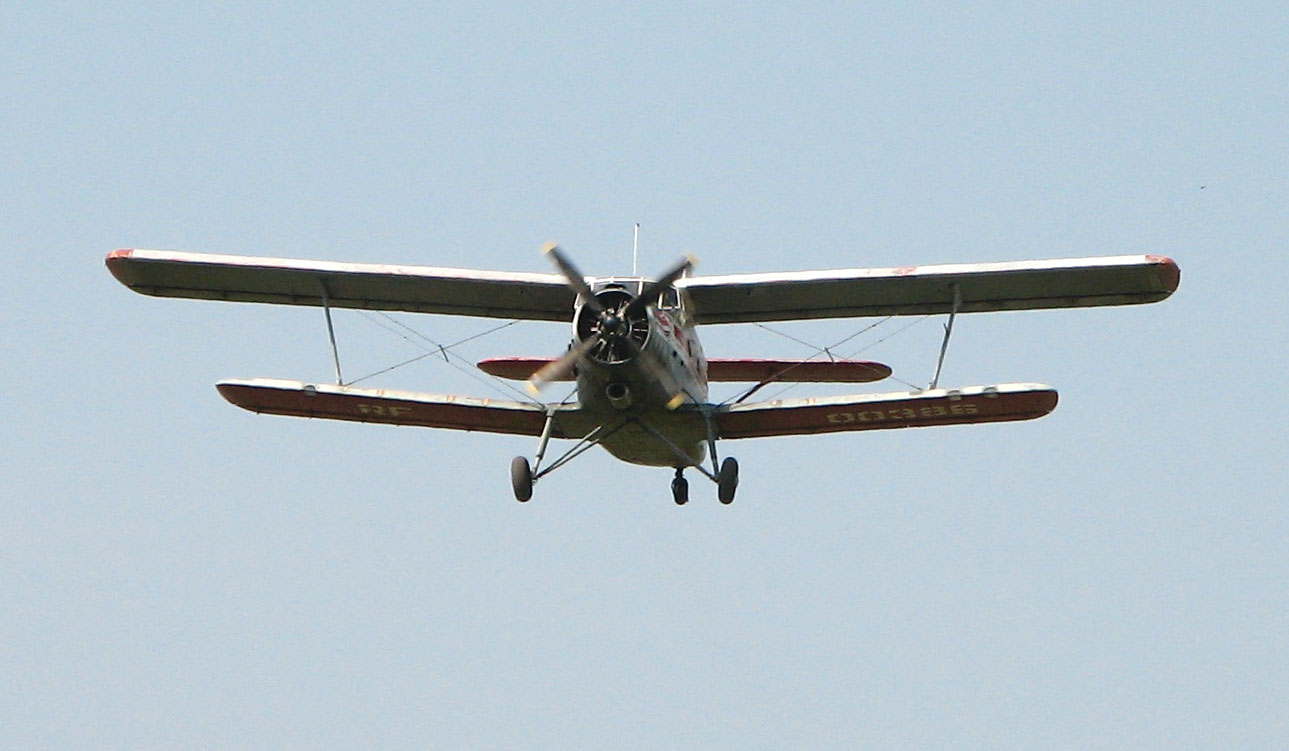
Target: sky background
<point>175,572</point>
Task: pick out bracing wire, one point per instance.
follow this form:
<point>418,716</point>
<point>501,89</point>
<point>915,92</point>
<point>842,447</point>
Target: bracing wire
<point>738,399</point>
<point>411,335</point>
<point>443,350</point>
<point>786,335</point>
<point>828,351</point>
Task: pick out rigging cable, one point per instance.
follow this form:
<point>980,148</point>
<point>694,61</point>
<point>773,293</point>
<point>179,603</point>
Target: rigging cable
<point>827,350</point>
<point>444,350</point>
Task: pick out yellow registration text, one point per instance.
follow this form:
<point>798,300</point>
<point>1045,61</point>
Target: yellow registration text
<point>383,410</point>
<point>902,413</point>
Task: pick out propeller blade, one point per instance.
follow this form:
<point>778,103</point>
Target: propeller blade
<point>573,276</point>
<point>651,290</point>
<point>557,369</point>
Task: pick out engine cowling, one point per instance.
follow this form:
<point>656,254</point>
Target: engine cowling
<point>620,334</point>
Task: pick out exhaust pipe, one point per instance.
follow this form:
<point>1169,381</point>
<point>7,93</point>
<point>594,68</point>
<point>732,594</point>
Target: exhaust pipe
<point>619,395</point>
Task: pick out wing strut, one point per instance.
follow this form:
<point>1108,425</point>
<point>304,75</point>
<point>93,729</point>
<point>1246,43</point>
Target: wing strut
<point>948,329</point>
<point>331,330</point>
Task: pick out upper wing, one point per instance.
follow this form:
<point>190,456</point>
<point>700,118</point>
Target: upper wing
<point>417,289</point>
<point>738,298</point>
<point>919,290</point>
<point>1009,401</point>
<point>298,399</point>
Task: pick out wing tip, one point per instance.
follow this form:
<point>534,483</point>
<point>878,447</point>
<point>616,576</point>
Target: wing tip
<point>1049,402</point>
<point>234,393</point>
<point>117,263</point>
<point>1170,274</point>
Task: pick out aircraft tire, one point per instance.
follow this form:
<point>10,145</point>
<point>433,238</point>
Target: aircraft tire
<point>680,491</point>
<point>727,480</point>
<point>521,479</point>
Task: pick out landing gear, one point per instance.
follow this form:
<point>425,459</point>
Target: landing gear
<point>521,479</point>
<point>726,483</point>
<point>727,480</point>
<point>680,488</point>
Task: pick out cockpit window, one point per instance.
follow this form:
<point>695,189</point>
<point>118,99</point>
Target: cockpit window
<point>631,286</point>
<point>669,299</point>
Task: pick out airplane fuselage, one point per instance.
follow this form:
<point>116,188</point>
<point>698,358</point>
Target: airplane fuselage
<point>641,392</point>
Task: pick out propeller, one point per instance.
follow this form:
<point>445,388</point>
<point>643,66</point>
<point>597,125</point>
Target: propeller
<point>613,326</point>
<point>573,276</point>
<point>558,369</point>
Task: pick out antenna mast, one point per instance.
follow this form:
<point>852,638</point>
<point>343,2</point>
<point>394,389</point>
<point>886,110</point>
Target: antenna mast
<point>635,250</point>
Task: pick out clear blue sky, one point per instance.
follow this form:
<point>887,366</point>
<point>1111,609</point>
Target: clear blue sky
<point>177,573</point>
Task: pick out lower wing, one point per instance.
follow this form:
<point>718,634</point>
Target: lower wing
<point>298,399</point>
<point>974,404</point>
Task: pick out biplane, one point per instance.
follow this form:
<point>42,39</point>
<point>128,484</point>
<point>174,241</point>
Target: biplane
<point>640,372</point>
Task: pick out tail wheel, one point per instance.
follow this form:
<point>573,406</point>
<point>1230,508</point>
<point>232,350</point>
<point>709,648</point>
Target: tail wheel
<point>521,479</point>
<point>680,491</point>
<point>727,480</point>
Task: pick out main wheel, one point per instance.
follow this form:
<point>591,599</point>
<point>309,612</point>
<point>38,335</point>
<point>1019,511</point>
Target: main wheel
<point>521,478</point>
<point>727,480</point>
<point>680,491</point>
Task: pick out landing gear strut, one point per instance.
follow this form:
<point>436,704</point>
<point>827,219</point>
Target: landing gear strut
<point>680,488</point>
<point>523,474</point>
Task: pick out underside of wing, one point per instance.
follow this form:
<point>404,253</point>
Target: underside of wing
<point>298,399</point>
<point>748,370</point>
<point>975,404</point>
<point>284,281</point>
<point>920,290</point>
